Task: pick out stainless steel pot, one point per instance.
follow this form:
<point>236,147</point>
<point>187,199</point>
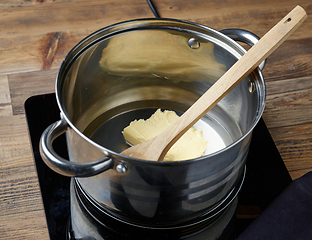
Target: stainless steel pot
<point>96,104</point>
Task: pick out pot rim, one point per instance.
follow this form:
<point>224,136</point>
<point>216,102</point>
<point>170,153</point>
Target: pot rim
<point>80,47</point>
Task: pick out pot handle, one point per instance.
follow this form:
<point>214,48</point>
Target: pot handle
<point>63,166</point>
<point>244,36</point>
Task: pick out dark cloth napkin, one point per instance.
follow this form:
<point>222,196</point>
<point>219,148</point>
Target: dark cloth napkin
<point>289,216</point>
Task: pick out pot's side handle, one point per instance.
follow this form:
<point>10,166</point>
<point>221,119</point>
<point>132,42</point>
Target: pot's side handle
<point>244,36</point>
<point>63,166</point>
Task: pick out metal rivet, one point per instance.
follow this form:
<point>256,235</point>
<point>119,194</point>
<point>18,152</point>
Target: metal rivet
<point>121,168</point>
<point>251,86</point>
<point>193,43</point>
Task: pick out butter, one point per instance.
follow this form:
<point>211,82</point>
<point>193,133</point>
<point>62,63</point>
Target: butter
<point>191,145</point>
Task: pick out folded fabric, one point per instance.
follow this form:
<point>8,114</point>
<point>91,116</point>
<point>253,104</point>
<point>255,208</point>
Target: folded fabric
<point>289,216</point>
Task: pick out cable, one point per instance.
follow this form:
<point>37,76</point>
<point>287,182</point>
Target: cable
<point>153,8</point>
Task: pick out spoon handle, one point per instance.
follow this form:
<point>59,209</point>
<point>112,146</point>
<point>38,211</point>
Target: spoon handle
<point>241,69</point>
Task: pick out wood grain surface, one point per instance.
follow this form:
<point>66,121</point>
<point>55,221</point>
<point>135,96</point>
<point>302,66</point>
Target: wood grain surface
<point>35,36</point>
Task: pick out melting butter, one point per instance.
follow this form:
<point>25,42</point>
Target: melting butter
<point>190,145</point>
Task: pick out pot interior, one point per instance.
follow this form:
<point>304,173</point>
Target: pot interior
<point>124,74</point>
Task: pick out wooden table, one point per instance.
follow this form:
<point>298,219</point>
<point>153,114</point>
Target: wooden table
<point>35,36</point>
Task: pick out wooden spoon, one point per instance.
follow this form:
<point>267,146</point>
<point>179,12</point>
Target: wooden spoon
<point>156,148</point>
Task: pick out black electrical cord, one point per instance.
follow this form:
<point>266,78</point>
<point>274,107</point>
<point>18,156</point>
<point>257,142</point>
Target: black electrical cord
<point>153,8</point>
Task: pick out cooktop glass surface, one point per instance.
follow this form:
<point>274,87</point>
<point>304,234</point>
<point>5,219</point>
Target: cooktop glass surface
<point>266,175</point>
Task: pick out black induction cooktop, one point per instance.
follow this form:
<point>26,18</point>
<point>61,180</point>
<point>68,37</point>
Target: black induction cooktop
<point>266,175</point>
